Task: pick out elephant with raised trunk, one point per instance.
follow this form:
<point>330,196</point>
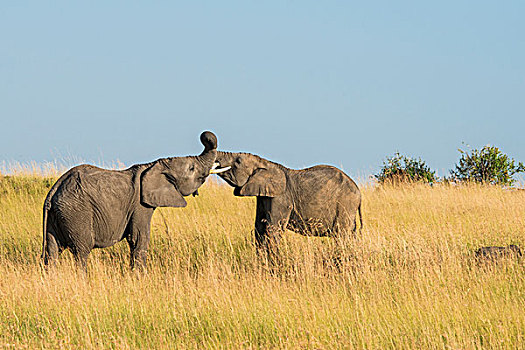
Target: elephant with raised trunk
<point>89,207</point>
<point>320,201</point>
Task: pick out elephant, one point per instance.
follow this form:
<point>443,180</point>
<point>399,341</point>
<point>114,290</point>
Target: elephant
<point>320,201</point>
<point>89,207</point>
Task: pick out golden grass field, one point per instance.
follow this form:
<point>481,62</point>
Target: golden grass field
<point>408,280</point>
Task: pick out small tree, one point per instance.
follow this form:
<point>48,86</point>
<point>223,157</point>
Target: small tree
<point>399,169</point>
<point>486,165</point>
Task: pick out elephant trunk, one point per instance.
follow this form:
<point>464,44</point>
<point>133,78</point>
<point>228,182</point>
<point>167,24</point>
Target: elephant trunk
<point>225,158</point>
<point>207,157</point>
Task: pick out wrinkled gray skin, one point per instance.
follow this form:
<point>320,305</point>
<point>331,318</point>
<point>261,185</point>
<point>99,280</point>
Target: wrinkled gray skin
<point>492,253</point>
<point>90,207</point>
<point>319,201</point>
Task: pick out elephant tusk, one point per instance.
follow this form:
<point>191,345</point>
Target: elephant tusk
<point>218,171</point>
<point>215,165</point>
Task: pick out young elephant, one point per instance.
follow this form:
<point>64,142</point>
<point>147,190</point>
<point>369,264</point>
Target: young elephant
<point>319,201</point>
<point>90,207</point>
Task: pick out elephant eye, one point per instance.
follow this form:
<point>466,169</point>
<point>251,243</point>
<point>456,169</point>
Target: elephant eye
<point>192,167</point>
<point>238,160</point>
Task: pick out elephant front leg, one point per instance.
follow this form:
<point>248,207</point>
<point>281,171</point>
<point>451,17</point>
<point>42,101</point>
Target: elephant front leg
<point>271,219</point>
<point>138,245</point>
<point>138,240</point>
<point>267,236</point>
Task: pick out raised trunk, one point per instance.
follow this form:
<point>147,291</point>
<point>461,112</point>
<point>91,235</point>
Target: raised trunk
<point>207,157</point>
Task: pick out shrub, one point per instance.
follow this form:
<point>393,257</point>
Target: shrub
<point>400,169</point>
<point>486,165</point>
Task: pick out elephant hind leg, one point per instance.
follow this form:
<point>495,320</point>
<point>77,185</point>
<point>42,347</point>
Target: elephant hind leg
<point>344,226</point>
<point>52,249</point>
<point>81,257</point>
<point>80,237</point>
<point>344,235</point>
<point>81,246</point>
<point>345,222</point>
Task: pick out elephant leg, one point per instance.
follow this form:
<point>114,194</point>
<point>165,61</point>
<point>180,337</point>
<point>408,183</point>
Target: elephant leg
<point>81,257</point>
<point>52,250</point>
<point>78,232</point>
<point>81,248</point>
<point>138,245</point>
<point>261,222</point>
<point>138,239</point>
<point>138,258</point>
<point>344,234</point>
<point>344,224</point>
<point>267,237</point>
<point>271,219</point>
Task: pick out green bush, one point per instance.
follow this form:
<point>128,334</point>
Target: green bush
<point>487,165</point>
<point>402,169</point>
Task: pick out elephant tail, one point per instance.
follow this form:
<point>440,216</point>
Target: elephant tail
<point>360,218</point>
<point>47,206</point>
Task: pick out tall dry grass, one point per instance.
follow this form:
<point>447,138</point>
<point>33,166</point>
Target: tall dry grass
<point>408,281</point>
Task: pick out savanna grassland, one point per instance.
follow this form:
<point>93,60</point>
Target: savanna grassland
<point>408,280</point>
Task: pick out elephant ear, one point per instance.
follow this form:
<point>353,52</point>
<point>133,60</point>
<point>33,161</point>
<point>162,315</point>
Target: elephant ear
<point>265,183</point>
<point>158,189</point>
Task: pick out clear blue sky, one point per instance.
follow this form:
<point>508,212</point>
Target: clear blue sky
<point>299,82</point>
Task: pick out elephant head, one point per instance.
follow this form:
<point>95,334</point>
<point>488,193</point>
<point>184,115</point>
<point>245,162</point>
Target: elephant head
<point>168,180</point>
<point>251,175</point>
